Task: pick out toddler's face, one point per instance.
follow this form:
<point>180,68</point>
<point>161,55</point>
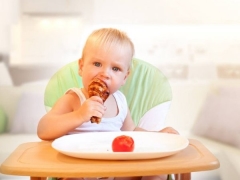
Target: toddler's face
<point>110,65</point>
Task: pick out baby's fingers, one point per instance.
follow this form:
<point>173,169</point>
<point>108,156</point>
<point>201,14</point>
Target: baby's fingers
<point>169,130</point>
<point>97,99</point>
<point>98,110</point>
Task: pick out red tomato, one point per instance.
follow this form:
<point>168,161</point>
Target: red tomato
<point>123,143</point>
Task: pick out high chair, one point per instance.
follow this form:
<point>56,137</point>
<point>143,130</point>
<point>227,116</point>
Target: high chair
<point>147,91</point>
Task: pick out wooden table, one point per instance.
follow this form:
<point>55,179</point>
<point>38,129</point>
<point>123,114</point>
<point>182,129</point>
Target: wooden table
<point>39,159</point>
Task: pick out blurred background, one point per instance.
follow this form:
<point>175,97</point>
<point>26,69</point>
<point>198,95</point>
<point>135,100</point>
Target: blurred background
<point>195,43</point>
<point>189,40</point>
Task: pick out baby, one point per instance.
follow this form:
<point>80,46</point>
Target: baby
<point>107,55</point>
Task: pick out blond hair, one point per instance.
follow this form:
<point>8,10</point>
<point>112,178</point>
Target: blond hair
<point>108,38</point>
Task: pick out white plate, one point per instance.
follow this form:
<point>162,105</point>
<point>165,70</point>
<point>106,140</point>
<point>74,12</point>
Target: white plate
<point>97,145</point>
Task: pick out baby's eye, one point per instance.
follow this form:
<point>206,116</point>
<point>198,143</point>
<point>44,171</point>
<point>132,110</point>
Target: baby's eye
<point>97,64</point>
<point>115,69</point>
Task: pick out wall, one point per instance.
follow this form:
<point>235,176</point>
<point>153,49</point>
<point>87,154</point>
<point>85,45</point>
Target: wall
<point>9,15</point>
<point>167,12</point>
<point>183,38</point>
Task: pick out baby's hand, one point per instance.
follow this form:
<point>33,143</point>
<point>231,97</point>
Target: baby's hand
<point>91,107</point>
<point>169,130</point>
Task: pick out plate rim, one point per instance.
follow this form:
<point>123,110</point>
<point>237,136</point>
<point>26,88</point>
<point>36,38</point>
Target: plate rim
<point>109,155</point>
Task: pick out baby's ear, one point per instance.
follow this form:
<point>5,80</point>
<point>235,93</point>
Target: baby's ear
<point>80,65</point>
<point>125,78</point>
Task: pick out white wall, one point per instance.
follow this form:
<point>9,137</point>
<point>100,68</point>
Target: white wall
<point>183,38</point>
<point>163,31</point>
<point>167,11</point>
<point>9,15</point>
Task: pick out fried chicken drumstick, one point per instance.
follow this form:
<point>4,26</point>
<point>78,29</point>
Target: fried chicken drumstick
<point>98,88</point>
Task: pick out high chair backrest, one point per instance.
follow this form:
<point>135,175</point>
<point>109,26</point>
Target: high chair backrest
<point>146,88</point>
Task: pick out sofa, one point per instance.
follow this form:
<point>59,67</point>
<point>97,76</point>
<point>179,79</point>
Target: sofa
<point>209,112</point>
<point>191,111</point>
<point>20,109</point>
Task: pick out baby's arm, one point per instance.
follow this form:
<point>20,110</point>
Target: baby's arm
<point>67,114</point>
<point>130,126</point>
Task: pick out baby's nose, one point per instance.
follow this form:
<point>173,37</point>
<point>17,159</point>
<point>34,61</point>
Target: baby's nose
<point>105,73</point>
